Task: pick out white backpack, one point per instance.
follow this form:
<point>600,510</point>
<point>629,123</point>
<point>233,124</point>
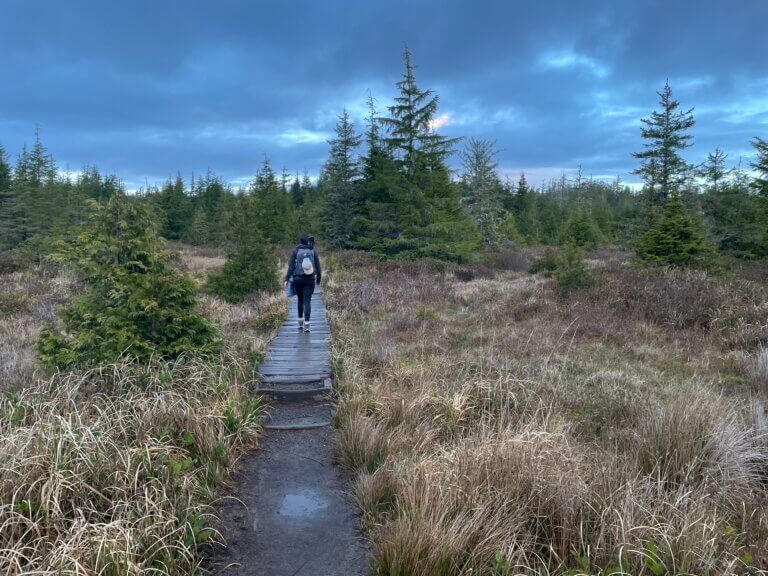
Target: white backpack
<point>305,262</point>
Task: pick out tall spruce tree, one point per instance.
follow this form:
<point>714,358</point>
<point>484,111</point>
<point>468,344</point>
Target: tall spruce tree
<point>714,171</point>
<point>275,207</point>
<point>175,209</point>
<point>526,211</point>
<point>481,189</point>
<point>410,125</point>
<point>297,194</point>
<point>6,201</point>
<point>666,133</point>
<point>342,186</point>
<point>373,141</point>
<point>760,183</point>
<point>412,207</point>
<point>212,201</point>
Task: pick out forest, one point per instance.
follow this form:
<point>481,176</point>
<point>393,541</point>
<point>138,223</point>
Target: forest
<point>387,188</point>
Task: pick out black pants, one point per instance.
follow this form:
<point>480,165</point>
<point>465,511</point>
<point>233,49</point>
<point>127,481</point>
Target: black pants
<point>304,288</point>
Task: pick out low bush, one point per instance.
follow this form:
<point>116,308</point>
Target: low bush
<point>14,302</point>
<point>10,262</point>
<point>675,239</point>
<point>571,272</point>
<point>546,263</point>
<point>246,271</point>
<point>251,265</point>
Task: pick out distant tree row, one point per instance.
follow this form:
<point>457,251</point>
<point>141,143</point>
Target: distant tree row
<point>396,196</point>
<point>389,190</point>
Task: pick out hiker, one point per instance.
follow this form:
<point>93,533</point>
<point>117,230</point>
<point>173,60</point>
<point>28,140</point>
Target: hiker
<point>303,267</point>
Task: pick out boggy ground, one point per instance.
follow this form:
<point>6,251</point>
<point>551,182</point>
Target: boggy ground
<point>112,471</point>
<point>498,427</point>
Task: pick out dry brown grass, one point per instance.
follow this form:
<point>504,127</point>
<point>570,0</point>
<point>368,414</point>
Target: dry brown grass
<point>498,427</point>
<point>111,471</point>
<point>28,301</point>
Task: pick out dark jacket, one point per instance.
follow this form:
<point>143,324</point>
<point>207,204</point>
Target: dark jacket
<point>292,264</point>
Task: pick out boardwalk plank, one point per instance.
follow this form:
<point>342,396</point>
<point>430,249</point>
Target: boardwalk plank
<point>296,357</point>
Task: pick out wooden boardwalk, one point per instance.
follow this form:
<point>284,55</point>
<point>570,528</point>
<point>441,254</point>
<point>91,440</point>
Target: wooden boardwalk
<point>293,514</point>
<point>297,362</point>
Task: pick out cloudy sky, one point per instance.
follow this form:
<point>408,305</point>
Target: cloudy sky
<point>148,88</point>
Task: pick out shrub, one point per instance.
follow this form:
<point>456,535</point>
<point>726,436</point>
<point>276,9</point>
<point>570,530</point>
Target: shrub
<point>10,262</point>
<point>675,240</point>
<point>14,302</point>
<point>246,270</point>
<point>134,305</point>
<point>250,265</point>
<point>581,230</point>
<point>547,263</point>
<point>571,273</point>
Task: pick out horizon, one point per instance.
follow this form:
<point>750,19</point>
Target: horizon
<point>185,91</point>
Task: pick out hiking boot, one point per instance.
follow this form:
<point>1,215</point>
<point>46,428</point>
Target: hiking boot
<point>306,327</point>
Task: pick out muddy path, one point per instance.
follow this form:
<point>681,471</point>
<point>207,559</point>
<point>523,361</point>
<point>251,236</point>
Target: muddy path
<point>291,512</point>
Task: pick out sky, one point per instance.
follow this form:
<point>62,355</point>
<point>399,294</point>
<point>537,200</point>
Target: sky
<point>146,89</point>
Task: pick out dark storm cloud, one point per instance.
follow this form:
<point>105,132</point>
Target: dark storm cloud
<point>148,88</point>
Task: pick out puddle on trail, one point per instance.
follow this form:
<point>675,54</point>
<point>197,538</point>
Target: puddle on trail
<point>302,503</point>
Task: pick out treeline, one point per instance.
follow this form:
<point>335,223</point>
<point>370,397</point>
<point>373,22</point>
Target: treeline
<point>388,189</point>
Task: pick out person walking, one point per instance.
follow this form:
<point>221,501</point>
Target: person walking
<point>304,270</point>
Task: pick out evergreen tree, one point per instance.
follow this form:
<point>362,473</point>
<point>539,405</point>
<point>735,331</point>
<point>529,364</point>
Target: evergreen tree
<point>410,129</point>
<point>371,162</point>
<point>251,265</point>
<point>5,171</point>
<point>198,233</point>
<point>37,201</point>
<point>285,177</point>
<point>734,219</point>
<point>666,133</point>
<point>297,194</point>
<point>580,230</point>
<point>310,214</point>
<point>307,188</point>
<point>526,211</point>
<point>714,171</point>
<point>6,201</point>
<point>135,304</point>
<point>481,189</point>
<point>760,165</point>
<point>675,239</point>
<point>508,230</point>
<point>37,172</point>
<point>214,199</point>
<point>412,207</point>
<point>760,184</point>
<point>175,209</point>
<point>342,178</point>
<point>275,206</point>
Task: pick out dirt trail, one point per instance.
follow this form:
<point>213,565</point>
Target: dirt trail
<point>292,513</point>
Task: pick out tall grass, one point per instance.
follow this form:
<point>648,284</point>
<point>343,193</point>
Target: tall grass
<point>113,471</point>
<point>498,426</point>
<point>110,471</point>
